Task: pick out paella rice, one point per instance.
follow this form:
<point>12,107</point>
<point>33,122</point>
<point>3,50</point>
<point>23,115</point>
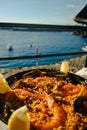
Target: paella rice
<point>50,101</point>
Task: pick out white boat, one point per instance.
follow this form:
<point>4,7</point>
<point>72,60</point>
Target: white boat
<point>30,45</point>
<point>9,47</point>
<point>84,48</point>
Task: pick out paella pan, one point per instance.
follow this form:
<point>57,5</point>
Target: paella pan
<point>55,101</point>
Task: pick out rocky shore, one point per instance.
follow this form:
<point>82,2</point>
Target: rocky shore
<point>74,63</point>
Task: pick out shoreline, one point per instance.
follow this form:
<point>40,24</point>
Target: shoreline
<point>75,64</point>
<point>40,27</point>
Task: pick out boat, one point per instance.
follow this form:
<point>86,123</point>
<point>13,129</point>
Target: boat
<point>29,45</point>
<point>84,48</point>
<point>9,47</point>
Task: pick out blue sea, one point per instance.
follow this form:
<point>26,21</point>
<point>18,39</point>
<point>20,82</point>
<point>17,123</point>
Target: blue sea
<point>26,43</point>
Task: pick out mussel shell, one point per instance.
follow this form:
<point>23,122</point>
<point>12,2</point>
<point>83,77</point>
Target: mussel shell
<point>79,105</point>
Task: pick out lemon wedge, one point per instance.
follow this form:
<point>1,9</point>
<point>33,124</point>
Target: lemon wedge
<point>19,120</point>
<point>4,87</point>
<point>64,67</point>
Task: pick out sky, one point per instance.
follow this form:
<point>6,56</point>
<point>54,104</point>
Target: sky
<point>54,12</point>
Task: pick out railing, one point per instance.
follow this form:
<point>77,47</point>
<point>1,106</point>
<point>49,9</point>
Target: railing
<point>42,56</point>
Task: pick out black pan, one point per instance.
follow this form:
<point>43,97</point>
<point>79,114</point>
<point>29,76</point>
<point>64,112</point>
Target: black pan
<point>49,72</point>
<point>75,79</point>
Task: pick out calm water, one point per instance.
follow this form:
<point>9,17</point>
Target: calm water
<point>46,42</point>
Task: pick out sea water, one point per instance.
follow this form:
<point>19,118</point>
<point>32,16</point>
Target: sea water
<point>30,43</point>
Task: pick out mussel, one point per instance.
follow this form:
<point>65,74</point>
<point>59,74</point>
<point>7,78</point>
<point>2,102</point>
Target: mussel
<point>80,105</point>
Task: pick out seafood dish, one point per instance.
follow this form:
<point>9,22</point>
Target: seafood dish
<point>55,101</point>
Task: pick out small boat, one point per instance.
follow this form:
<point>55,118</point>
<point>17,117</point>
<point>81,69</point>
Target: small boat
<point>84,48</point>
<point>9,47</point>
<point>29,45</point>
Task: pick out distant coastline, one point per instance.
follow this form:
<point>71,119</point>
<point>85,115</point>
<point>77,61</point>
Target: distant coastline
<point>40,27</point>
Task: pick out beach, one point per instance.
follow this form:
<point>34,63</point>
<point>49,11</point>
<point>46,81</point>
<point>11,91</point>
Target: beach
<point>75,64</point>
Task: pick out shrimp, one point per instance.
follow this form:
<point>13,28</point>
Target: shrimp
<point>59,115</point>
<point>16,97</point>
<point>23,94</point>
<point>13,100</point>
<point>70,89</point>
